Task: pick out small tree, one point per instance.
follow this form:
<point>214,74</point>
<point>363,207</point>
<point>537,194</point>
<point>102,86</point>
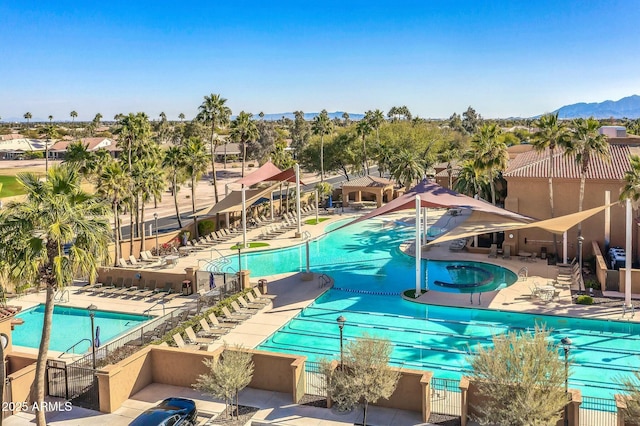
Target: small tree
<point>522,377</point>
<point>366,375</point>
<point>632,388</point>
<point>228,375</point>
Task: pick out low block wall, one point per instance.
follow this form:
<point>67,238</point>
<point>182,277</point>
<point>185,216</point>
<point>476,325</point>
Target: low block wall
<point>179,367</point>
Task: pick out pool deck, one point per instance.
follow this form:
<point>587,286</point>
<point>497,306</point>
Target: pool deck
<point>293,294</point>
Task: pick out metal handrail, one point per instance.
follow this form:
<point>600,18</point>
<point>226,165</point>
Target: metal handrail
<point>306,235</point>
<point>147,312</point>
<point>74,346</point>
<point>325,279</point>
<point>61,294</point>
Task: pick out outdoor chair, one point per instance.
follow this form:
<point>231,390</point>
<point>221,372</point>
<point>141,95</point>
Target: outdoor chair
<point>221,325</point>
<point>157,332</point>
<point>195,340</point>
<point>235,316</point>
<point>238,309</point>
<point>134,262</point>
<point>523,273</point>
<point>109,290</point>
<point>506,252</point>
<point>255,301</point>
<point>207,331</point>
<point>261,296</point>
<point>167,297</point>
<point>180,343</point>
<point>250,306</point>
<point>493,251</point>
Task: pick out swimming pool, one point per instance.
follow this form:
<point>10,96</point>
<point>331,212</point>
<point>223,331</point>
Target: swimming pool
<point>70,325</point>
<point>370,272</point>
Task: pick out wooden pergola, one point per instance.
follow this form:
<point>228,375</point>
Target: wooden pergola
<point>377,186</point>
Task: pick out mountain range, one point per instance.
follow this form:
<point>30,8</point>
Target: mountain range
<point>308,116</point>
<point>628,107</point>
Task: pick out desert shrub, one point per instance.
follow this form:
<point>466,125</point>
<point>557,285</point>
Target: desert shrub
<point>205,227</point>
<point>584,300</point>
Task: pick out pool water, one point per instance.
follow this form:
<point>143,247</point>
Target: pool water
<point>70,325</point>
<point>370,273</point>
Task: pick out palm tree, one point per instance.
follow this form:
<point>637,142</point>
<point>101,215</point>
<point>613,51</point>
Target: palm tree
<point>52,133</point>
<point>586,143</point>
<point>195,160</point>
<point>551,134</point>
<point>73,115</point>
<point>346,118</point>
<point>489,154</point>
<point>175,164</point>
<point>214,112</point>
<point>163,116</point>
<point>181,117</point>
<point>27,116</point>
<point>407,168</point>
<point>363,128</point>
<point>114,183</point>
<point>149,182</point>
<point>244,131</point>
<point>470,180</point>
<point>33,232</point>
<point>448,156</point>
<point>375,119</point>
<point>78,156</point>
<point>631,188</point>
<point>322,125</point>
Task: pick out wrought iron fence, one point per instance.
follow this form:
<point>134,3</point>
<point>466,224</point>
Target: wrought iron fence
<point>598,412</point>
<point>446,397</point>
<point>316,382</point>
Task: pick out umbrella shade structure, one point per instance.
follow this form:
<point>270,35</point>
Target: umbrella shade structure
<point>263,173</point>
<point>233,201</point>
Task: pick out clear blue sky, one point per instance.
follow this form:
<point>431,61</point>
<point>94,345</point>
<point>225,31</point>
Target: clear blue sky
<point>504,58</point>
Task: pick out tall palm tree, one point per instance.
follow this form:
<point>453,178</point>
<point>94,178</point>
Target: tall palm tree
<point>32,235</point>
<point>174,162</point>
<point>551,134</point>
<point>322,126</point>
<point>631,188</point>
<point>407,168</point>
<point>78,156</point>
<point>490,155</point>
<point>363,128</point>
<point>163,116</point>
<point>73,115</point>
<point>195,160</point>
<point>470,180</point>
<point>586,143</point>
<point>181,117</point>
<point>149,182</point>
<point>114,184</point>
<point>214,112</point>
<point>375,119</point>
<point>244,131</point>
<point>27,116</point>
<point>52,133</point>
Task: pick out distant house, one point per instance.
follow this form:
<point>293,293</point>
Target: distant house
<point>15,146</point>
<point>59,149</point>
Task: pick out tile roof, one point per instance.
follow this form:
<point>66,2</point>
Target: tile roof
<point>11,137</point>
<point>534,164</point>
<point>368,181</point>
<point>90,143</point>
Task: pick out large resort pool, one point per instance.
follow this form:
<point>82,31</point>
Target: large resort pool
<point>370,272</point>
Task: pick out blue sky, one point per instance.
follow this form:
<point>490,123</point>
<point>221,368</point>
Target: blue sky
<point>504,58</point>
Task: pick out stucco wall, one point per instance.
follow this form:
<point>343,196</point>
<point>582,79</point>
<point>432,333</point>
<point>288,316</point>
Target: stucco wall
<point>413,393</point>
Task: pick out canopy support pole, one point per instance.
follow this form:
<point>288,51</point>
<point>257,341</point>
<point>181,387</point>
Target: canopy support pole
<point>226,215</point>
<point>424,223</point>
<point>272,205</point>
<point>418,246</point>
<point>316,199</point>
<point>607,221</point>
<point>564,248</point>
<point>297,170</point>
<point>628,256</point>
<point>244,218</point>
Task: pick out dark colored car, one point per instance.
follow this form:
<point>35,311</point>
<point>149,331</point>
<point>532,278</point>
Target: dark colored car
<point>170,412</point>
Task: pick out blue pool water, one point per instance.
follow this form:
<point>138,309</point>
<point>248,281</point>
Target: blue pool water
<point>71,325</point>
<point>370,272</point>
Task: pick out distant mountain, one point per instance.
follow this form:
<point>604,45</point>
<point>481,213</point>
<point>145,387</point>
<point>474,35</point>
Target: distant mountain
<point>308,116</point>
<point>628,107</point>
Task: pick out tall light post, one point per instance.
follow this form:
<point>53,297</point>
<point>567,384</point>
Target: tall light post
<point>341,320</point>
<point>566,345</point>
<point>92,313</point>
<point>580,243</point>
<point>4,342</point>
<point>155,218</point>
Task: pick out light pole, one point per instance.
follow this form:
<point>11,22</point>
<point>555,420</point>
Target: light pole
<point>155,218</point>
<point>92,313</point>
<point>4,342</point>
<point>341,320</point>
<point>580,242</point>
<point>566,345</point>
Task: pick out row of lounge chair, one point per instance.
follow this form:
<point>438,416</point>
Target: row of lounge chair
<point>147,260</point>
<point>125,288</point>
<point>216,327</point>
<point>506,251</point>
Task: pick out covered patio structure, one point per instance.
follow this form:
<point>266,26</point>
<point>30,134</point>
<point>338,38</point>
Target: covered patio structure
<point>381,188</point>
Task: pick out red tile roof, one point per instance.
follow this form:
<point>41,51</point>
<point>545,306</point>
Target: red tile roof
<point>90,143</point>
<point>534,164</point>
<point>368,181</point>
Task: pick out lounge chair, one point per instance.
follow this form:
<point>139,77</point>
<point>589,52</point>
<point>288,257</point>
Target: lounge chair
<point>506,252</point>
<point>177,338</point>
<point>234,317</point>
<point>261,296</point>
<point>195,340</point>
<point>250,306</point>
<point>255,301</point>
<point>493,251</point>
<point>239,310</point>
<point>170,296</point>
<point>159,293</point>
<point>157,332</point>
<point>207,331</point>
<point>217,324</point>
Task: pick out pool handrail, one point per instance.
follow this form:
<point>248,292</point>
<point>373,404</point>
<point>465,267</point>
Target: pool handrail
<point>72,347</point>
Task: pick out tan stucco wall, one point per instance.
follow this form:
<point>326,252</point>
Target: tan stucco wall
<point>161,277</point>
<point>20,382</point>
<point>5,327</point>
<point>413,393</point>
<point>531,197</point>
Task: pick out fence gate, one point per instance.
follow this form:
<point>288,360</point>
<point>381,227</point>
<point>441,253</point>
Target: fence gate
<point>57,384</point>
<point>445,396</point>
<point>316,382</point>
<point>74,382</point>
<point>598,412</point>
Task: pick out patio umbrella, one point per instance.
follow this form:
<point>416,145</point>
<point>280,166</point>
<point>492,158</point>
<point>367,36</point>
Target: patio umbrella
<point>97,339</point>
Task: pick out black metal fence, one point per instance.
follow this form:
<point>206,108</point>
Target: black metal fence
<point>316,382</point>
<point>446,397</point>
<point>598,412</point>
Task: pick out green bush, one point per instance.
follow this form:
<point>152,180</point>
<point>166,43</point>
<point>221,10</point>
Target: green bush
<point>592,283</point>
<point>205,227</point>
<point>584,300</point>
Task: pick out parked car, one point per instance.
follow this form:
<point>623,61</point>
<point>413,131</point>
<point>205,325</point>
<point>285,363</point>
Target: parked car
<point>170,412</point>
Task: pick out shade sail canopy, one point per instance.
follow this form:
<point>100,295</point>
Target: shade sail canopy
<point>233,201</point>
<point>288,175</point>
<point>263,173</point>
<point>478,224</point>
<point>435,196</point>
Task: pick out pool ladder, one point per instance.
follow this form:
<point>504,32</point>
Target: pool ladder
<point>147,312</point>
<point>60,296</point>
<point>73,347</point>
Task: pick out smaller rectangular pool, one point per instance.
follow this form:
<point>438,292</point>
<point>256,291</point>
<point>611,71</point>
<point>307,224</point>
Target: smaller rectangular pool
<point>70,325</point>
